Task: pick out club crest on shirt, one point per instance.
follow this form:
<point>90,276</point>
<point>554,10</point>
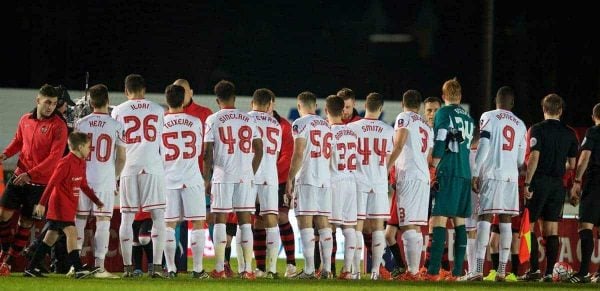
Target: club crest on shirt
<point>295,129</point>
<point>532,141</point>
<point>44,129</point>
<point>401,122</point>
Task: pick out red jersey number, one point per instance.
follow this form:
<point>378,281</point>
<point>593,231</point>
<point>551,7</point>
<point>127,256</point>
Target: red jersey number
<point>102,148</point>
<point>509,135</point>
<point>379,146</point>
<point>148,126</point>
<point>189,144</point>
<point>322,147</point>
<point>349,162</point>
<point>244,137</point>
<point>424,138</point>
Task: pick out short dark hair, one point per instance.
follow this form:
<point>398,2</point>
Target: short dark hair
<point>374,101</point>
<point>175,95</point>
<point>263,96</point>
<point>552,104</point>
<point>76,139</point>
<point>505,97</point>
<point>98,96</point>
<point>224,90</point>
<point>346,93</point>
<point>334,105</point>
<point>135,83</point>
<point>307,98</point>
<point>433,99</point>
<point>411,99</point>
<point>596,111</point>
<point>48,91</point>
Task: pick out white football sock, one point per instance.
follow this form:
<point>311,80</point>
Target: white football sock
<point>80,226</point>
<point>349,248</point>
<point>101,239</point>
<point>273,245</point>
<point>308,249</point>
<point>170,249</point>
<point>505,242</point>
<point>158,235</point>
<point>247,245</point>
<point>326,239</point>
<point>483,239</point>
<point>197,241</point>
<point>358,252</point>
<point>220,241</point>
<point>126,236</point>
<point>378,246</point>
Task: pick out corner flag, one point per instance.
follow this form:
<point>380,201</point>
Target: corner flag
<point>525,237</point>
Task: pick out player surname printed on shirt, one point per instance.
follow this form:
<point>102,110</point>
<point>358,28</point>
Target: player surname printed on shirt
<point>375,143</point>
<point>142,124</point>
<point>412,162</point>
<point>344,145</point>
<point>507,136</point>
<point>270,133</point>
<point>182,141</point>
<point>317,154</point>
<point>105,134</point>
<point>231,131</point>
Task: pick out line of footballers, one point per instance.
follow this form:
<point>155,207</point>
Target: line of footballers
<point>337,177</point>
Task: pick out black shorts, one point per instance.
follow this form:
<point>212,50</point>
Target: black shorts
<point>22,198</point>
<point>58,225</point>
<point>432,193</point>
<point>141,228</point>
<point>548,198</point>
<point>231,229</point>
<point>590,203</point>
<point>282,198</point>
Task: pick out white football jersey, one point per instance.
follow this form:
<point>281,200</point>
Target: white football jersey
<point>412,162</point>
<point>105,135</point>
<point>142,124</point>
<point>506,133</point>
<point>375,143</point>
<point>317,154</point>
<point>270,133</point>
<point>182,141</point>
<point>231,131</point>
<point>344,145</point>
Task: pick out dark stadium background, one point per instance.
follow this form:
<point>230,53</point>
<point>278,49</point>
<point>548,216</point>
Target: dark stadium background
<point>291,46</point>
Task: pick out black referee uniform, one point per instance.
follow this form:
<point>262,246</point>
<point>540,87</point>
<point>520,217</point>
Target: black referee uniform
<point>555,143</point>
<point>590,200</point>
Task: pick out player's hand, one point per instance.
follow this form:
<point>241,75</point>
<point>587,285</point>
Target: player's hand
<point>39,210</point>
<point>289,190</point>
<point>100,205</point>
<point>575,194</point>
<point>475,184</point>
<point>2,158</point>
<point>22,179</point>
<point>527,193</point>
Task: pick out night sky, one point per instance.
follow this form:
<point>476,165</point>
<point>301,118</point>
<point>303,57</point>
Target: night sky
<point>321,46</point>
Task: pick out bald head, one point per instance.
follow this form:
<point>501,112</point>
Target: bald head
<point>188,91</point>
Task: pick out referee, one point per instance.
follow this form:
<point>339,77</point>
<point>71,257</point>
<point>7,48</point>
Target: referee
<point>588,209</point>
<point>552,145</point>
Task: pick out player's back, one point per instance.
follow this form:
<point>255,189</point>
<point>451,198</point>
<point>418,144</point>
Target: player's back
<point>142,124</point>
<point>344,146</point>
<point>375,142</point>
<point>506,134</point>
<point>412,163</point>
<point>105,134</point>
<point>270,133</point>
<point>317,153</point>
<point>231,132</point>
<point>182,141</point>
<point>453,128</point>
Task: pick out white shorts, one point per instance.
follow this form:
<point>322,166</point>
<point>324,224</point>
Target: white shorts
<point>499,197</point>
<point>361,205</point>
<point>268,198</point>
<point>378,205</point>
<point>343,202</point>
<point>85,206</point>
<point>312,200</point>
<point>413,202</point>
<point>471,221</point>
<point>185,204</point>
<point>233,197</point>
<point>143,191</point>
